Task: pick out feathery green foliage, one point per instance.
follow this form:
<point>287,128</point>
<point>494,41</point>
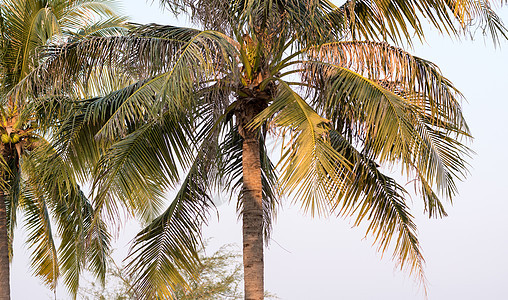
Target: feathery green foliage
<point>340,100</point>
<point>37,181</point>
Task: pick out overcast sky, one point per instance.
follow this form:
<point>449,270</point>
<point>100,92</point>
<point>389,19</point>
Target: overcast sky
<point>466,253</point>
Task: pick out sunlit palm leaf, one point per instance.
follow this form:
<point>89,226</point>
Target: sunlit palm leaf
<point>44,257</point>
<point>170,243</point>
<point>397,20</point>
<point>308,160</point>
<point>419,111</point>
<point>379,200</point>
<point>81,243</point>
<point>138,167</point>
<point>420,81</point>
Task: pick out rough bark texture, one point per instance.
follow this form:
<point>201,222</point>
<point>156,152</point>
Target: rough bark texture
<point>10,155</point>
<point>4,252</point>
<point>252,221</point>
<point>252,202</point>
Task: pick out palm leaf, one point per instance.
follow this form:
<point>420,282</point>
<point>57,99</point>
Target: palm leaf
<point>44,256</point>
<point>412,126</point>
<point>420,81</point>
<point>397,20</point>
<point>380,201</point>
<point>165,57</point>
<point>138,167</point>
<point>308,161</point>
<point>81,243</point>
<point>170,243</point>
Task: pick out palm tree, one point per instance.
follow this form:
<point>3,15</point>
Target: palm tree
<point>318,78</point>
<point>34,179</point>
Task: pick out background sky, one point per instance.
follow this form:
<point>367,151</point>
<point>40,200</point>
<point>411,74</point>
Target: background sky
<point>311,258</point>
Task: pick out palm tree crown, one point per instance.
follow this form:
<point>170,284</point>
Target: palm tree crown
<point>35,180</point>
<point>319,78</point>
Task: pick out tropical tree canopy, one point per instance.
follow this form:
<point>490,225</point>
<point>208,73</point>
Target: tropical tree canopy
<point>36,181</point>
<point>199,106</point>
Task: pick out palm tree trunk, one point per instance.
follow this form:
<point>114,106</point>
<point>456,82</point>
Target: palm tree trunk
<point>4,252</point>
<point>252,221</point>
<point>5,292</point>
<point>252,213</point>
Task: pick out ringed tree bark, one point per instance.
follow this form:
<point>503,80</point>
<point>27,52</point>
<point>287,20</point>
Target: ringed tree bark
<point>10,149</point>
<point>4,251</point>
<point>252,214</point>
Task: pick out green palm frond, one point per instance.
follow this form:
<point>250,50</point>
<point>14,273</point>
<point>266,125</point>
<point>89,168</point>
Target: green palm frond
<point>90,116</point>
<point>44,256</point>
<point>165,57</point>
<point>111,26</point>
<point>375,198</point>
<point>75,16</point>
<point>29,25</point>
<point>141,165</point>
<point>308,161</point>
<point>84,244</point>
<point>171,241</point>
<point>420,81</point>
<point>36,23</point>
<point>421,110</point>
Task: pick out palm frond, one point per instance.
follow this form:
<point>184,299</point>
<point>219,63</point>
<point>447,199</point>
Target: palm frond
<point>379,201</point>
<point>170,243</point>
<point>308,161</point>
<point>141,165</point>
<point>44,256</point>
<point>420,81</point>
<point>164,57</point>
<point>398,20</point>
<point>420,123</point>
<point>480,15</point>
<point>111,26</point>
<point>83,243</point>
<point>29,25</point>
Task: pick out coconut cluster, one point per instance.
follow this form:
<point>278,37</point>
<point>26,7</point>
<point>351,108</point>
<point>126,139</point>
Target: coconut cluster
<point>12,138</point>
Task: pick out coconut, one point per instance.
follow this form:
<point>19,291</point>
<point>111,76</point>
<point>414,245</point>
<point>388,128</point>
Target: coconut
<point>15,138</point>
<point>6,138</point>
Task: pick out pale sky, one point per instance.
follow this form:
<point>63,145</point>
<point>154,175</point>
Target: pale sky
<point>466,253</point>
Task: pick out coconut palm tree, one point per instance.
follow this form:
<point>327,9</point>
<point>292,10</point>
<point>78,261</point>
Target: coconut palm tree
<point>319,79</point>
<point>34,179</point>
